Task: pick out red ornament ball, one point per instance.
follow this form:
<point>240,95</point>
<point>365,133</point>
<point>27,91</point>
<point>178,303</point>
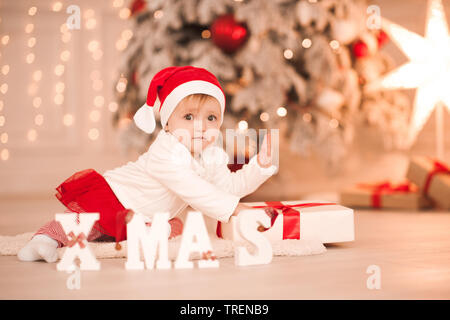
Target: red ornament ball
<point>360,49</point>
<point>228,34</point>
<point>137,6</point>
<point>382,38</point>
<point>134,77</point>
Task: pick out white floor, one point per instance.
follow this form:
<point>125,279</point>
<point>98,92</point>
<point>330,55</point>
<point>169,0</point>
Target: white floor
<point>412,250</point>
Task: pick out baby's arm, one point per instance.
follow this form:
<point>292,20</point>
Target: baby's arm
<point>176,174</point>
<point>246,180</point>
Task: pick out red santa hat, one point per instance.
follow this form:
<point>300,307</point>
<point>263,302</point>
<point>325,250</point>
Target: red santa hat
<point>169,86</point>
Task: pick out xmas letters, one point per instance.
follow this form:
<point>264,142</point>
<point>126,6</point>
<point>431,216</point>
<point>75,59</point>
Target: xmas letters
<point>153,240</point>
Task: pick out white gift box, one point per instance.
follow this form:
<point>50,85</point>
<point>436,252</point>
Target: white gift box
<point>326,223</point>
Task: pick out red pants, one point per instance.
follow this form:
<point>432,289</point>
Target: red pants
<point>87,191</point>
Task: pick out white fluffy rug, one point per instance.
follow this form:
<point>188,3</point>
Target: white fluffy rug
<point>10,245</point>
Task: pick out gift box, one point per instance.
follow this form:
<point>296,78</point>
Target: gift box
<point>326,222</point>
<point>405,195</point>
<point>433,179</point>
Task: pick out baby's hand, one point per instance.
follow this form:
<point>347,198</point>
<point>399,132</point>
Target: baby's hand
<point>265,153</point>
<point>269,211</point>
<point>240,207</point>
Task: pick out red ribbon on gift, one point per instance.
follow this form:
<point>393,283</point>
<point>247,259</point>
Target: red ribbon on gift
<point>291,217</point>
<point>121,222</point>
<point>74,240</point>
<point>381,188</point>
<point>438,167</point>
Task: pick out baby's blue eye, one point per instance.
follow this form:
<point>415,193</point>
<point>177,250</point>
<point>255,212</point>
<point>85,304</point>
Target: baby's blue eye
<point>213,117</point>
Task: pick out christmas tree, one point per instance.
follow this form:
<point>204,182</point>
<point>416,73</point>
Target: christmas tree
<point>303,62</point>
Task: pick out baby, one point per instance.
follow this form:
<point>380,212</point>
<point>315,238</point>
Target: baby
<point>182,167</point>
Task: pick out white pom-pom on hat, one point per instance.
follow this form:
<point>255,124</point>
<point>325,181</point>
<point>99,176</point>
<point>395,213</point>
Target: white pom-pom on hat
<point>145,117</point>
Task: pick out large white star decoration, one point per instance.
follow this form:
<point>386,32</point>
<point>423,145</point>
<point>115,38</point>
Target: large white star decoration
<point>428,69</point>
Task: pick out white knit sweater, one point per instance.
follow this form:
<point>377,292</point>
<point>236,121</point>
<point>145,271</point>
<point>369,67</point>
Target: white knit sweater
<point>167,178</point>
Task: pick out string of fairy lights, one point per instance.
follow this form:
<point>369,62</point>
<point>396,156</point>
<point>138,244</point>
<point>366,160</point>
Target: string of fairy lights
<point>121,44</point>
<point>30,58</point>
<point>5,69</point>
<point>94,48</point>
<point>96,52</point>
<point>59,69</point>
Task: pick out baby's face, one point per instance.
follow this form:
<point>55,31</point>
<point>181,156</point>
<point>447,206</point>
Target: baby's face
<point>196,125</point>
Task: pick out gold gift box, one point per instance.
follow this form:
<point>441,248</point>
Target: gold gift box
<point>439,186</point>
<point>362,196</point>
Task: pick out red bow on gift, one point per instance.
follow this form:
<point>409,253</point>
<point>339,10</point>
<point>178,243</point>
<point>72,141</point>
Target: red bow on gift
<point>385,188</point>
<point>438,167</point>
<point>208,255</point>
<point>79,239</point>
<point>291,217</point>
